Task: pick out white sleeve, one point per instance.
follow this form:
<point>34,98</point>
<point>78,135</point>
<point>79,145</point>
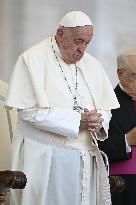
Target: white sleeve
<point>106,115</point>
<point>58,120</point>
<point>128,147</point>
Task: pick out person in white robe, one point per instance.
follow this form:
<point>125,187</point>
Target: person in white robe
<point>63,97</point>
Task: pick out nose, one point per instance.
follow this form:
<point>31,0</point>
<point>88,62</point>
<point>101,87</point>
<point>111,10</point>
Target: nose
<point>81,48</point>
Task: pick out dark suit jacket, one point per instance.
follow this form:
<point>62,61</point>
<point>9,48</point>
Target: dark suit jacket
<point>122,121</point>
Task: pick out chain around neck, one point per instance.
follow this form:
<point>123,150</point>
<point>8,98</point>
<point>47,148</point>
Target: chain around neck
<point>76,84</point>
<point>75,106</point>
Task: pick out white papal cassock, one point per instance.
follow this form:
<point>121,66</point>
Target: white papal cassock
<point>63,166</point>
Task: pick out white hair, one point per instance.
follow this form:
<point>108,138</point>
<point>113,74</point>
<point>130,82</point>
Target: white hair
<point>122,58</point>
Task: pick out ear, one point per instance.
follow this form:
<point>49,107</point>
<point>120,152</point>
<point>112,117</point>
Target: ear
<point>120,73</point>
<point>59,33</point>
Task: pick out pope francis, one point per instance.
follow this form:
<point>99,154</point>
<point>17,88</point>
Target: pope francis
<point>63,98</point>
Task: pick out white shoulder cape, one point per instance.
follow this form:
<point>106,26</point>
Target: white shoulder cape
<point>37,80</point>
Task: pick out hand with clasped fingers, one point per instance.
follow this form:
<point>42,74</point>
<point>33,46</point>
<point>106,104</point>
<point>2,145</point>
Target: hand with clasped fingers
<point>131,136</point>
<point>91,120</point>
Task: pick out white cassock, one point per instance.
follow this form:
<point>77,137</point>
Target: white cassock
<point>63,166</point>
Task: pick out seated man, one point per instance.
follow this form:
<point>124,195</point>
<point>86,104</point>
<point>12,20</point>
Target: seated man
<point>121,144</point>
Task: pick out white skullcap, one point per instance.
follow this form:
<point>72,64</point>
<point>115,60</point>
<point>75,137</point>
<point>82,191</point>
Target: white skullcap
<point>74,19</point>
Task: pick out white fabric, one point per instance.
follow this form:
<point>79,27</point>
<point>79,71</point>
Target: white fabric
<point>58,166</point>
<point>57,120</point>
<point>74,19</point>
<point>84,98</point>
<point>35,150</point>
<point>59,171</point>
<point>39,80</point>
<point>106,115</point>
<point>128,147</point>
<point>60,121</point>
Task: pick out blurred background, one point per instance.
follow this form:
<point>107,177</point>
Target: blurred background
<point>24,23</point>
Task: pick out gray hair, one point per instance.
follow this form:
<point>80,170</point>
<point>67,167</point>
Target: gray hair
<point>122,59</point>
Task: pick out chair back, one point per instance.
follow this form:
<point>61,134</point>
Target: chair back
<point>7,126</point>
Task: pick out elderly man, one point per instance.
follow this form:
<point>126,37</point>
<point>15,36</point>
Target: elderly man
<point>61,93</point>
<point>120,146</point>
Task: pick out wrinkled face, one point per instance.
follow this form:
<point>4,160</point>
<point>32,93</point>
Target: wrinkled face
<point>127,77</point>
<point>73,41</point>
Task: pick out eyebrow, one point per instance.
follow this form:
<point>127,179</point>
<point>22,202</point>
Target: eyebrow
<point>80,39</point>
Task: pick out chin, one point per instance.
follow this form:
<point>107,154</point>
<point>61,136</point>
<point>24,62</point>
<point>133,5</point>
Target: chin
<point>76,60</point>
<point>72,61</point>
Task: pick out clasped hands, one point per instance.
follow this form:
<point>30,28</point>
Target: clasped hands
<point>91,120</point>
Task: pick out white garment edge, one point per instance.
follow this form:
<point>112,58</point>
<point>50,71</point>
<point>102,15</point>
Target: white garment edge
<point>128,147</point>
<point>106,115</point>
<point>57,120</point>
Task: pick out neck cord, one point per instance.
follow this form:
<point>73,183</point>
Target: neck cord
<point>75,106</point>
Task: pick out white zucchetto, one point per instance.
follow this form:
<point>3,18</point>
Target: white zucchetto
<point>74,19</point>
